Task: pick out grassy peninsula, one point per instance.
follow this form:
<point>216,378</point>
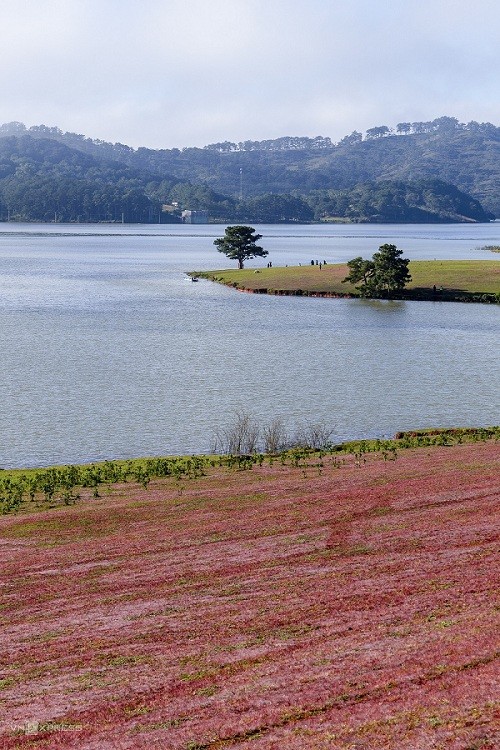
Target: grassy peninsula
<point>455,280</point>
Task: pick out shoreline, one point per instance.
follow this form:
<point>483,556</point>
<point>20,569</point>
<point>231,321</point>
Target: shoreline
<point>432,281</point>
<point>423,433</point>
<point>57,481</point>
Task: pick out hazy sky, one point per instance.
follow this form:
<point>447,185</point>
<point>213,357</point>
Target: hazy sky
<point>171,73</point>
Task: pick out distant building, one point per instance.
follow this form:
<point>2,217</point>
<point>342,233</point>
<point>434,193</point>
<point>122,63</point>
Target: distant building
<point>195,217</point>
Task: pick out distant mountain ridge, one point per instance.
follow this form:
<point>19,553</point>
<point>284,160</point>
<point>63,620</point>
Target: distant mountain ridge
<point>228,178</point>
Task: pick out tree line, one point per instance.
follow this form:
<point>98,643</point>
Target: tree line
<point>43,178</point>
<point>284,143</point>
<point>389,201</point>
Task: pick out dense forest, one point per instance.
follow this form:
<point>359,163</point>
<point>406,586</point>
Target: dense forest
<point>435,171</point>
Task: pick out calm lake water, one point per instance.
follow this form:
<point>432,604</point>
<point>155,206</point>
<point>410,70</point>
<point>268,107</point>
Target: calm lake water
<point>108,350</point>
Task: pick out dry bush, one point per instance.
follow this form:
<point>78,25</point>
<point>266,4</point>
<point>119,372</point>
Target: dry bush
<point>275,436</point>
<point>314,435</point>
<point>238,438</point>
<point>244,436</point>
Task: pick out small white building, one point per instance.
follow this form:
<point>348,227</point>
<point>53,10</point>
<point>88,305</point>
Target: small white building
<point>195,217</point>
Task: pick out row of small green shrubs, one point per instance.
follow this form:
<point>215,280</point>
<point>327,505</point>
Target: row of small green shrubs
<point>429,437</point>
<point>59,485</point>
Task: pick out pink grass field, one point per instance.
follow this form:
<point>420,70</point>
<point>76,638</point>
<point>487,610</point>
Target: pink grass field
<point>335,607</point>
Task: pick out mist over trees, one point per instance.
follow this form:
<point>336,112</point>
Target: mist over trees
<point>441,170</point>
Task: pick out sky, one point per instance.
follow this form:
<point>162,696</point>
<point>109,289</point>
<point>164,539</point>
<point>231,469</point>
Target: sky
<point>173,74</point>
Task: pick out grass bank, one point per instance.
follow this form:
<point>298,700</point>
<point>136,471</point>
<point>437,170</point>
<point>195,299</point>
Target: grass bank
<point>455,280</point>
<point>29,490</point>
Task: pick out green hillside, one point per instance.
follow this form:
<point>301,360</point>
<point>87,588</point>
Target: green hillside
<point>441,170</point>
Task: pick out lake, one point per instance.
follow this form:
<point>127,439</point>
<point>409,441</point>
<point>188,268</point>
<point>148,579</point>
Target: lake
<point>110,351</point>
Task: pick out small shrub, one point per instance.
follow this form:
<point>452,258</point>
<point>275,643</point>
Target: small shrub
<point>238,438</point>
<point>314,436</point>
<point>275,435</point>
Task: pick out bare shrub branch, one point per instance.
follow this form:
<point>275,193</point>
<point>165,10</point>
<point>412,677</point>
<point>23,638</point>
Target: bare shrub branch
<point>238,438</point>
<point>275,436</point>
<point>244,436</point>
<point>313,435</point>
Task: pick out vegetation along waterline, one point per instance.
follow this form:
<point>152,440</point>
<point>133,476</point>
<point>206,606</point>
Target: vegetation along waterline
<point>442,280</point>
<point>55,486</point>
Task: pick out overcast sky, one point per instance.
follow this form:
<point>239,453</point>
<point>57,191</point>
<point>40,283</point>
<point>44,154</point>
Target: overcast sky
<point>171,73</point>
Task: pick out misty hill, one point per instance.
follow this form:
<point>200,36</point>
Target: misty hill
<point>419,172</point>
<point>467,156</point>
<point>41,179</point>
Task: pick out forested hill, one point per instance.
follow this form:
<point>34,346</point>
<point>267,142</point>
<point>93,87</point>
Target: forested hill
<point>467,156</point>
<point>45,180</point>
<point>414,172</point>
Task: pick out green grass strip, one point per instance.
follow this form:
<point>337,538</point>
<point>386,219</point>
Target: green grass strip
<point>57,485</point>
<point>454,280</point>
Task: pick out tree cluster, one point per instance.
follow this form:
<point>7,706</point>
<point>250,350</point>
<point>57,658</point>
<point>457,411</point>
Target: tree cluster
<point>385,275</point>
<point>286,143</point>
<point>44,180</point>
<point>391,201</point>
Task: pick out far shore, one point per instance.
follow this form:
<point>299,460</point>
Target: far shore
<point>432,280</point>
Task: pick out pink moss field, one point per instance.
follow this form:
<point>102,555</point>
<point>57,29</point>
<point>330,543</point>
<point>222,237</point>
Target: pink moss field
<point>334,606</point>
